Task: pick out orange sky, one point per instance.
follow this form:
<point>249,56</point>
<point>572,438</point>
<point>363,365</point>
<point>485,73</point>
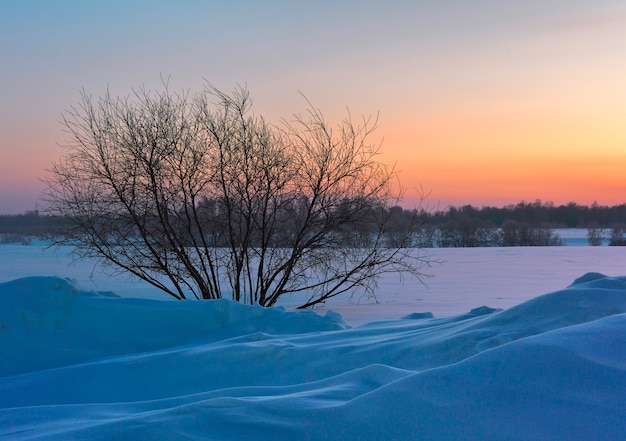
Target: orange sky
<point>500,158</point>
<point>557,139</point>
<point>482,102</point>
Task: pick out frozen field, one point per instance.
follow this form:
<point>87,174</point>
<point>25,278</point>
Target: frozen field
<point>78,364</point>
<point>463,279</point>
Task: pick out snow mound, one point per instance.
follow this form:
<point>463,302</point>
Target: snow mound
<point>564,384</point>
<point>85,365</point>
<point>48,321</point>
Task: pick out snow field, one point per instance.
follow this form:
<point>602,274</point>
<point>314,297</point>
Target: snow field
<point>79,364</point>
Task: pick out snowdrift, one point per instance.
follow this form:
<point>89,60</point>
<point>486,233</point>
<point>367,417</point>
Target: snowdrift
<point>76,364</point>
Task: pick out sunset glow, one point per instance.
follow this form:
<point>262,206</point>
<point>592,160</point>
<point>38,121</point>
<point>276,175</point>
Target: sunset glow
<point>483,103</point>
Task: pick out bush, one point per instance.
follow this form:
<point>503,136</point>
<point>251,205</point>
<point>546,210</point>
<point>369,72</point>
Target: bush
<point>197,196</point>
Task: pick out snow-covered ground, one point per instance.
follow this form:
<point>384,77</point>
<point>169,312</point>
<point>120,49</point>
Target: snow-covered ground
<point>460,278</point>
<point>427,362</point>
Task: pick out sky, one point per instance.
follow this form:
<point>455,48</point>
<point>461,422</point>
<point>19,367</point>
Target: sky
<point>484,102</point>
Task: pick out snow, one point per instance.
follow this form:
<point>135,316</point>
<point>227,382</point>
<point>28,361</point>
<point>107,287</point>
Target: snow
<point>83,356</point>
<point>463,279</point>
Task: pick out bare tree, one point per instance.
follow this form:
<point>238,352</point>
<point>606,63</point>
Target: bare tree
<point>197,196</point>
<point>594,235</point>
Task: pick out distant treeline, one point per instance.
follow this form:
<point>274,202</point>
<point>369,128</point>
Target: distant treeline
<point>536,213</point>
<point>523,224</point>
<point>24,227</point>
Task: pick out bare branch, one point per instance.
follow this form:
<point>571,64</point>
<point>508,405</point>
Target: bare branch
<point>197,196</point>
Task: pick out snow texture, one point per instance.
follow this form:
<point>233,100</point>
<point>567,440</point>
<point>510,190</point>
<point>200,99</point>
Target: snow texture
<point>81,364</point>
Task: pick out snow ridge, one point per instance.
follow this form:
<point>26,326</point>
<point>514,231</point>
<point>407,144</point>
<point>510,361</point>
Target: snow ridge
<point>77,364</point>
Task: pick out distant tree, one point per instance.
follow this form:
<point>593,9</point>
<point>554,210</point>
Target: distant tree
<point>618,238</point>
<point>27,226</point>
<point>198,197</point>
<point>510,233</point>
<point>424,237</point>
<point>594,235</point>
<point>522,234</point>
<point>466,232</point>
<point>24,239</point>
